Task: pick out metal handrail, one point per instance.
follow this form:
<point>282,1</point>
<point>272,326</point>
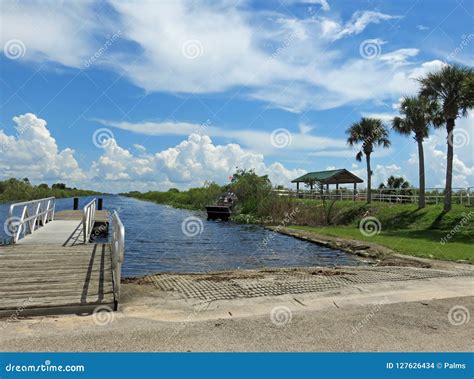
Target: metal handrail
<point>118,252</point>
<point>88,219</point>
<point>26,223</point>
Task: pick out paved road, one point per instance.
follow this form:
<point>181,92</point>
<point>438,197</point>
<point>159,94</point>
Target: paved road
<point>407,326</point>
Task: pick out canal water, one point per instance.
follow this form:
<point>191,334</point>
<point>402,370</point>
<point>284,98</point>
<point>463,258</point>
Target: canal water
<point>160,238</point>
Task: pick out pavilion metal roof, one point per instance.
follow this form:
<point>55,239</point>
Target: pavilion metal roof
<point>339,176</point>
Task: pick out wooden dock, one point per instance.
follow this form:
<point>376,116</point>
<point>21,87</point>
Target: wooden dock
<point>57,269</point>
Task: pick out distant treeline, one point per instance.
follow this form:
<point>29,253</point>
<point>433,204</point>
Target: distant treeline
<point>22,190</point>
<point>195,198</point>
<point>256,201</point>
<point>251,189</point>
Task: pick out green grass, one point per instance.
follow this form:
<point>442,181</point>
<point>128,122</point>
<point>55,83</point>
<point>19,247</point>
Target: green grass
<point>410,231</point>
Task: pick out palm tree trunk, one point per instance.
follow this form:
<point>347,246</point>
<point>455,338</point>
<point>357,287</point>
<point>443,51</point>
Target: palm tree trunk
<point>369,179</point>
<point>421,171</point>
<point>449,166</point>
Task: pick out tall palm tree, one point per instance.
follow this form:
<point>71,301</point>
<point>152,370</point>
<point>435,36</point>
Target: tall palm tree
<point>369,132</point>
<point>452,87</point>
<point>418,113</point>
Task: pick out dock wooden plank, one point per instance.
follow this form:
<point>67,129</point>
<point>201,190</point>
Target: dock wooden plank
<point>100,216</point>
<point>54,269</point>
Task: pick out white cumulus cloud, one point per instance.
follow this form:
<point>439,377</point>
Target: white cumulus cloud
<point>190,163</point>
<point>34,153</point>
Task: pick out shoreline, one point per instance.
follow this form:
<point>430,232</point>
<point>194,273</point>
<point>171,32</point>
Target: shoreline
<point>382,255</point>
<point>362,248</point>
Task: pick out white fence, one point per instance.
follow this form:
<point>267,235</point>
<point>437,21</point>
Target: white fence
<point>27,217</point>
<point>390,195</point>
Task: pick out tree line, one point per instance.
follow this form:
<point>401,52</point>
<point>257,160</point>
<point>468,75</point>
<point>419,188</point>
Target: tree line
<point>21,189</point>
<point>444,96</point>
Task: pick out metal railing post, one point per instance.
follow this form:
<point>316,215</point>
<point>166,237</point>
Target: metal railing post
<point>88,219</point>
<point>118,252</point>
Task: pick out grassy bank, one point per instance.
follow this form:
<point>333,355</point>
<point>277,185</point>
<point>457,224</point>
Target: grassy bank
<point>22,190</point>
<point>427,233</point>
<point>195,198</point>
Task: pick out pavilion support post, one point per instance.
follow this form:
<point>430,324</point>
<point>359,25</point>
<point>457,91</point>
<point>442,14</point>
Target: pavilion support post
<point>337,190</point>
<point>355,191</point>
<point>297,188</point>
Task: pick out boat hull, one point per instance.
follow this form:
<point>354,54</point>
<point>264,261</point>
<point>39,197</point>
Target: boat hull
<point>216,212</point>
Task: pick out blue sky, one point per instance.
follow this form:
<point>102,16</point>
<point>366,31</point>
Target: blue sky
<point>120,96</point>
